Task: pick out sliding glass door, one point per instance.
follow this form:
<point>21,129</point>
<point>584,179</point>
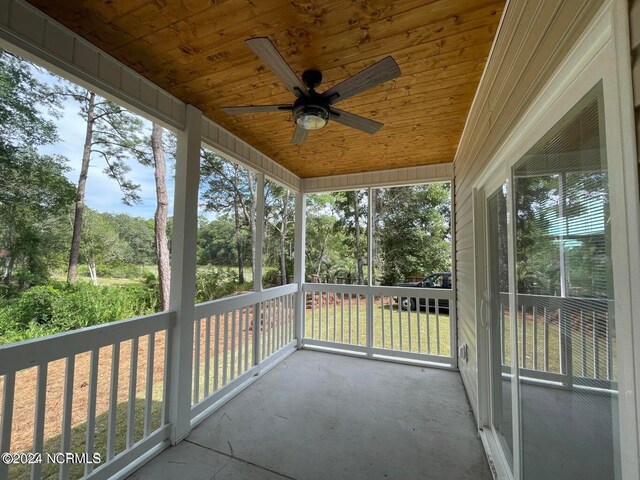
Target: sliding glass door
<point>501,373</point>
<point>552,338</point>
<point>564,301</point>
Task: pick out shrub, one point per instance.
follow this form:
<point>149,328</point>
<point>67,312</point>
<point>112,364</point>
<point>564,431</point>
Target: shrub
<point>36,305</point>
<point>212,283</point>
<point>85,304</point>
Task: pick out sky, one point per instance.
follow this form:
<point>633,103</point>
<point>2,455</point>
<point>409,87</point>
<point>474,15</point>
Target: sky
<point>103,193</point>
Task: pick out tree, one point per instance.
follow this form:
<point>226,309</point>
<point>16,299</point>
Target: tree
<point>230,189</point>
<point>161,214</point>
<point>279,211</point>
<point>33,187</point>
<point>216,244</point>
<point>111,134</point>
<point>138,233</point>
<point>351,208</point>
<point>413,231</point>
<point>100,243</point>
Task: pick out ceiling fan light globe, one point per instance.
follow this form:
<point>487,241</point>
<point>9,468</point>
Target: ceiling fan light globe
<point>310,121</point>
<point>310,117</point>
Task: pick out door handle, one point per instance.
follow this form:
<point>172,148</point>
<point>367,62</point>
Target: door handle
<point>483,321</point>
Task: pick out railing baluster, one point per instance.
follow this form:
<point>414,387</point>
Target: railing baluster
<point>225,360</point>
<point>546,340</point>
<point>67,410</point>
<point>358,319</point>
<point>382,322</point>
<point>583,337</point>
<point>263,330</point>
<point>164,418</point>
<point>409,323</point>
<point>342,317</point>
<point>246,338</point>
<point>148,397</point>
<point>8,393</point>
<point>334,316</point>
<point>428,322</point>
<point>313,315</point>
<point>400,321</point>
<point>207,355</point>
<point>596,347</point>
<point>437,304</point>
<point>391,322</point>
<point>280,322</point>
<point>113,401</point>
<point>274,325</point>
<point>232,371</point>
<point>326,319</point>
<point>349,317</point>
<point>196,362</point>
<point>502,335</point>
<point>418,308</point>
<point>524,337</point>
<point>38,424</point>
<point>292,299</point>
<point>133,380</point>
<point>535,339</point>
<point>609,347</point>
<point>216,353</point>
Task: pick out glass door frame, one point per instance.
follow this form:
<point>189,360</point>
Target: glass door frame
<point>592,61</point>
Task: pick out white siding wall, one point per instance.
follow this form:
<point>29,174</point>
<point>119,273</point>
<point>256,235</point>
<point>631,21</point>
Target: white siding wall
<point>533,39</point>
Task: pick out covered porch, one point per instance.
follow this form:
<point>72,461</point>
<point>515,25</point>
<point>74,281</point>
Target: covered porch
<point>320,380</point>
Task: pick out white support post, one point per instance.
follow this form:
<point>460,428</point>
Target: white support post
<point>299,266</point>
<point>257,265</point>
<point>183,272</point>
<point>369,315</point>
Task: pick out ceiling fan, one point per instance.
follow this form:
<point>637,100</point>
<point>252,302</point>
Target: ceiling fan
<point>312,110</point>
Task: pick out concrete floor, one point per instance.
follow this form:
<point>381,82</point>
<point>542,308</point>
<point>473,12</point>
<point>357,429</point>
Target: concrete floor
<point>326,416</point>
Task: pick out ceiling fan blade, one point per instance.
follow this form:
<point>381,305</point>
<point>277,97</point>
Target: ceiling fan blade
<point>355,121</point>
<point>255,109</point>
<point>271,57</point>
<point>383,71</point>
<point>299,136</point>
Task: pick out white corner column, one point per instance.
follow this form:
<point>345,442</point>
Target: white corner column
<point>299,264</point>
<point>370,277</point>
<point>257,265</point>
<point>183,273</point>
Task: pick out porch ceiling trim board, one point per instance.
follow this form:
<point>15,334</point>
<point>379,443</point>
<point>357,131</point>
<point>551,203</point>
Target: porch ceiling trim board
<point>34,35</point>
<point>442,172</point>
<point>532,41</point>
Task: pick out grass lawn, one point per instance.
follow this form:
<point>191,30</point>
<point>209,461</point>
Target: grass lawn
<point>421,331</point>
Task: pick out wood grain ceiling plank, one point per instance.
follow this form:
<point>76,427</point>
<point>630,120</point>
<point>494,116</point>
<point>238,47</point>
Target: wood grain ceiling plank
<point>419,81</point>
<point>239,63</point>
<point>302,38</point>
<point>195,49</point>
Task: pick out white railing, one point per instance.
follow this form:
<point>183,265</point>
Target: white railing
<point>397,322</point>
<point>235,337</point>
<point>568,340</point>
<point>114,402</point>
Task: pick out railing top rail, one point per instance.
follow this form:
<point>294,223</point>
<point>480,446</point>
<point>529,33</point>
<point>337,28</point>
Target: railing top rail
<point>227,304</point>
<point>435,293</point>
<point>37,351</point>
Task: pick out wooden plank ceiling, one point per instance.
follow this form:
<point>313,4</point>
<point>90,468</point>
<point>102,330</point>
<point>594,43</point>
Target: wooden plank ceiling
<point>195,49</point>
